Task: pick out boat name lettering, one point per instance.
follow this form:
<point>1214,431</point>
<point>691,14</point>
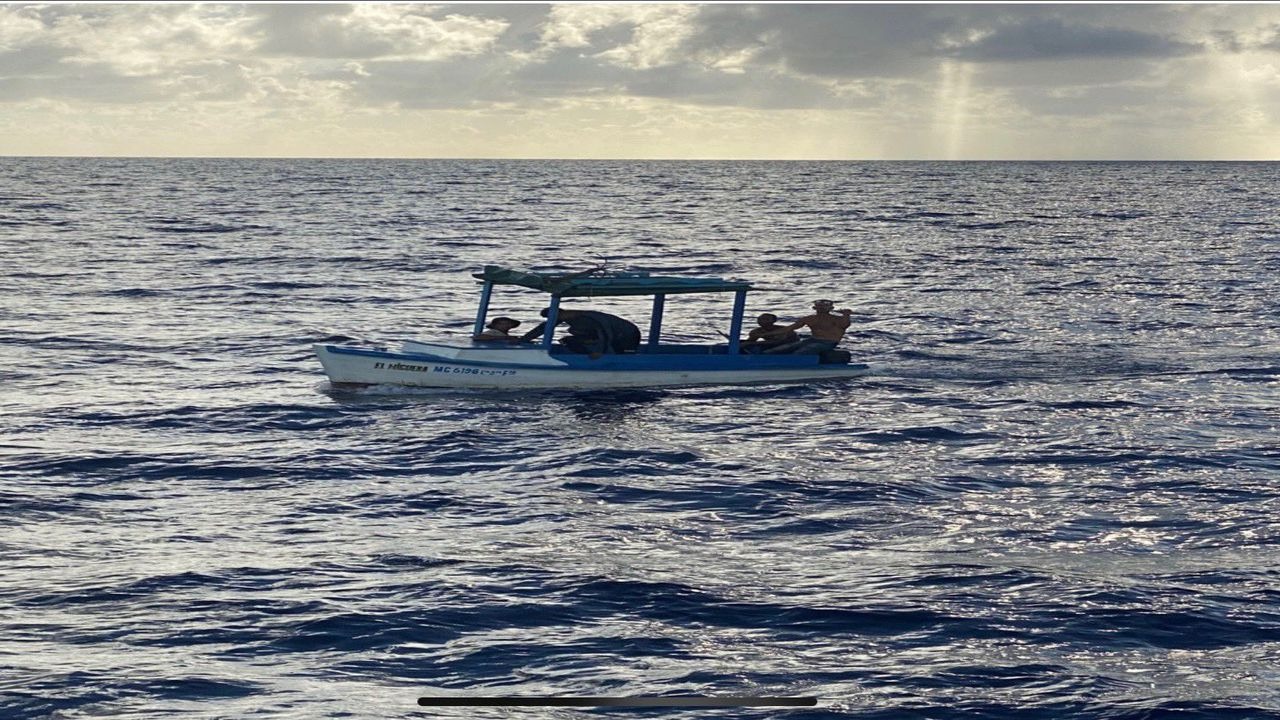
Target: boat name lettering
<point>441,369</point>
<point>401,366</point>
<point>471,370</point>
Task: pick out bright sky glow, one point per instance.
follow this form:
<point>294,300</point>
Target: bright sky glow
<point>643,81</point>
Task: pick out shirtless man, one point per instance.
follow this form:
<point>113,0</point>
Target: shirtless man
<point>827,330</point>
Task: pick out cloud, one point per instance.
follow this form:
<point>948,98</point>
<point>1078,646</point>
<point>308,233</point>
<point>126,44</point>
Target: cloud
<point>746,56</point>
<point>704,86</point>
<point>33,59</point>
<point>141,40</point>
<point>639,37</point>
<point>1272,43</point>
<point>1043,39</point>
<point>845,41</point>
<point>287,54</point>
<point>119,54</point>
<point>21,26</point>
<point>95,83</point>
<point>417,84</point>
<point>367,31</point>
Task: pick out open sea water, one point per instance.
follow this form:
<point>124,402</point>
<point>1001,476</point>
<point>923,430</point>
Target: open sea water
<point>1056,496</point>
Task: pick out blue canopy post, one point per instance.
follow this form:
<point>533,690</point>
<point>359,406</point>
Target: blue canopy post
<point>735,326</point>
<point>549,331</point>
<point>483,310</point>
<point>655,320</point>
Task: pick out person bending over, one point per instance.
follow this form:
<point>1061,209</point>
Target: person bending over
<point>591,332</point>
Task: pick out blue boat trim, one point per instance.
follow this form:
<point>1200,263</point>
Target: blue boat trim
<point>425,358</point>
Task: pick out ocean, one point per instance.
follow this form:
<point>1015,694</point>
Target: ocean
<point>1057,495</point>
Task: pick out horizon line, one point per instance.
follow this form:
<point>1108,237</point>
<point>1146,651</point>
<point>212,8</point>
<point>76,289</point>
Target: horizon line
<point>635,159</point>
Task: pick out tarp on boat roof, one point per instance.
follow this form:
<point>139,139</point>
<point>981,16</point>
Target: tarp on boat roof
<point>599,283</point>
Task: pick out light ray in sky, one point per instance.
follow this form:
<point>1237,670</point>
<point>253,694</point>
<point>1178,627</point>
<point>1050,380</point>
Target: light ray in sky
<point>952,108</point>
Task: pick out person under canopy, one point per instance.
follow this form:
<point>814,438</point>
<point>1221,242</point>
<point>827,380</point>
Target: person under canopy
<point>591,332</point>
<point>498,331</point>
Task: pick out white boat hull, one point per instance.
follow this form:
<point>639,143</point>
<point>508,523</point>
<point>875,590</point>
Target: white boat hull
<point>530,368</point>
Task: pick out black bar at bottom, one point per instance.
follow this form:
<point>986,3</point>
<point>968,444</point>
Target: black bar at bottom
<point>699,701</point>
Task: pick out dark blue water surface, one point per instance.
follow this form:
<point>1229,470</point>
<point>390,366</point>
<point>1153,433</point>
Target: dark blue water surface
<point>1058,496</point>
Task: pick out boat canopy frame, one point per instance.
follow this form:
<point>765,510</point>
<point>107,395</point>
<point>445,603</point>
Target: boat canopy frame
<point>597,282</point>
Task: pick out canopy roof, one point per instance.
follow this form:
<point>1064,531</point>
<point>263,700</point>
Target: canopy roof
<point>598,283</point>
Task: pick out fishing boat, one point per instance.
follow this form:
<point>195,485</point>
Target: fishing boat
<point>551,364</point>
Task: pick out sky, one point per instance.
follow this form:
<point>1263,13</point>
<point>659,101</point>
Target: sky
<point>664,80</point>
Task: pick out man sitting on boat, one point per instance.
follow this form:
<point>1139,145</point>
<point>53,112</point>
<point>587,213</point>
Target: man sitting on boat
<point>592,332</point>
<point>499,330</point>
<point>827,330</point>
<point>768,335</point>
